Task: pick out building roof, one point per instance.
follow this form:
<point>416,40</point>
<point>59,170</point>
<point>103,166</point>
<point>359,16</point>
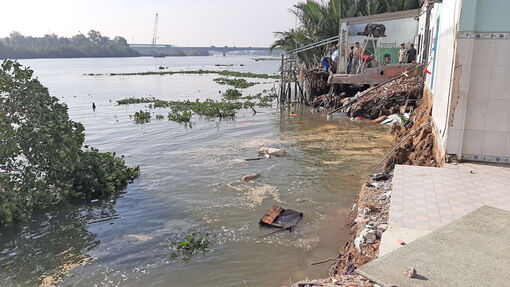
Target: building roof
<point>382,17</point>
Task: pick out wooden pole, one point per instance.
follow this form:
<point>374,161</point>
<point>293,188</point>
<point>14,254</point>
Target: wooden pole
<point>282,92</point>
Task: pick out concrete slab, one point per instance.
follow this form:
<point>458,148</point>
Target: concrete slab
<point>471,251</point>
<point>429,197</point>
<point>393,234</point>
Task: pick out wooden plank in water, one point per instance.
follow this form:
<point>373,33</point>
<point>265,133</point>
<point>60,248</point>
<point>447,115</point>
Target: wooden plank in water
<point>271,215</point>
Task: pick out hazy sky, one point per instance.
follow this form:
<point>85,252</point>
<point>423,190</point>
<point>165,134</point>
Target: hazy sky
<point>181,22</point>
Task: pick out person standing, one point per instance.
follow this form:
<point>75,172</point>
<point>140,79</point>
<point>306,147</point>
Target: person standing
<point>411,54</point>
<point>402,54</point>
<point>351,57</point>
<point>358,59</point>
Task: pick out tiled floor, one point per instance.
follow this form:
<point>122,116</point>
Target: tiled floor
<point>427,197</point>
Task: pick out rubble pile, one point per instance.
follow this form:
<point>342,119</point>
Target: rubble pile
<point>369,219</point>
<point>420,148</point>
<point>327,101</point>
<point>397,96</point>
<point>316,83</point>
<point>340,280</point>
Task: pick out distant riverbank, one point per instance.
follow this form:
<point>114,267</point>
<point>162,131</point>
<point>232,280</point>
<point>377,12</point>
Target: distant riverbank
<point>92,45</point>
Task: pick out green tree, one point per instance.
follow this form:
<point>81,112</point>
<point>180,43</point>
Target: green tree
<point>42,157</point>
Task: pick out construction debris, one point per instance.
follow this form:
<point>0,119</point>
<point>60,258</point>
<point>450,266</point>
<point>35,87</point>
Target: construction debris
<point>269,152</point>
<point>369,220</point>
<point>401,94</point>
<point>251,176</point>
<point>281,218</point>
<point>410,272</point>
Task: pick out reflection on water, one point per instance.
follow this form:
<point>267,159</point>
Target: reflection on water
<point>191,183</point>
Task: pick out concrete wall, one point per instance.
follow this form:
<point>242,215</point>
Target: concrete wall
<point>480,129</point>
<point>443,23</point>
<point>469,81</point>
<point>485,16</point>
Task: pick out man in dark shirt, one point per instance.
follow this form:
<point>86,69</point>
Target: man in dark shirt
<point>411,54</point>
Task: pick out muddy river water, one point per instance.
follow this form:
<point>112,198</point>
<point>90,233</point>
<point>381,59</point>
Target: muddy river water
<point>190,183</point>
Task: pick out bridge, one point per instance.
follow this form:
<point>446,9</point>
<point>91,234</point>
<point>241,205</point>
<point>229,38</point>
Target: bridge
<point>170,50</point>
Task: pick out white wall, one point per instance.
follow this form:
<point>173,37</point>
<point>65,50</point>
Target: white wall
<point>471,103</point>
<point>397,31</point>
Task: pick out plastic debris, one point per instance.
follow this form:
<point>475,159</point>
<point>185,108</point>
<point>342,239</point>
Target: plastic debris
<point>251,176</point>
<point>265,151</point>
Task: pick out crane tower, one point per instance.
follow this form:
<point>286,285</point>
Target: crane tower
<point>155,33</point>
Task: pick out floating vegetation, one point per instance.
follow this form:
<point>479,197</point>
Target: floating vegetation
<point>266,59</point>
<point>142,117</point>
<point>197,72</point>
<point>266,101</point>
<point>224,65</point>
<point>180,117</point>
<point>160,117</point>
<point>182,111</point>
<point>189,247</point>
<point>232,94</point>
<point>129,101</point>
<point>236,82</point>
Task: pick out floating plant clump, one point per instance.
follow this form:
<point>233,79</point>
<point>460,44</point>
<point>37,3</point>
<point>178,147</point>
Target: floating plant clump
<point>142,100</point>
<point>142,117</point>
<point>236,82</point>
<point>180,117</point>
<point>232,94</point>
<point>182,111</point>
<point>190,246</point>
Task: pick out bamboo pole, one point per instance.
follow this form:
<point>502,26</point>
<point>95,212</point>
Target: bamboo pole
<point>282,92</point>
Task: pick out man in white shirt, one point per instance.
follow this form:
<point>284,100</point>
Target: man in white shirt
<point>402,54</point>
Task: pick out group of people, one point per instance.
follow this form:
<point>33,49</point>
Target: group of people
<point>358,61</point>
<point>405,55</point>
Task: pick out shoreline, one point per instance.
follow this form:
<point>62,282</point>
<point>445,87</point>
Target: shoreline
<point>369,215</point>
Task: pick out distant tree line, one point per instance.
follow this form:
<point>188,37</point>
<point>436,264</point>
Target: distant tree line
<point>18,46</point>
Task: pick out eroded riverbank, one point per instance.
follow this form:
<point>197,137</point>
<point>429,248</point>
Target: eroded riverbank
<point>191,183</point>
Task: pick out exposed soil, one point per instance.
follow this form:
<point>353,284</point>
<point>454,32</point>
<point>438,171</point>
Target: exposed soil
<point>420,148</point>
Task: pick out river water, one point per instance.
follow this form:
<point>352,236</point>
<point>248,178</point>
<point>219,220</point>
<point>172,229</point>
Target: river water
<point>190,183</point>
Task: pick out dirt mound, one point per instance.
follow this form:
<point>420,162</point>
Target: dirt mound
<point>420,148</point>
<point>388,98</point>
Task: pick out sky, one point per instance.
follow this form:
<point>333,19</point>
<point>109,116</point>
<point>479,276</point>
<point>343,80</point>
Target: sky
<point>181,22</point>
